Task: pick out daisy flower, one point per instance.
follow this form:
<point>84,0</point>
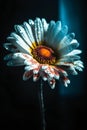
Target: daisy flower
<point>46,50</point>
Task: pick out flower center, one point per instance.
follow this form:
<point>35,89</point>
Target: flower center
<point>45,52</point>
<point>44,55</point>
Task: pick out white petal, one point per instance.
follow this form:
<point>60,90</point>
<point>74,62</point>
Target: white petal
<point>35,77</point>
<point>69,58</point>
<point>31,22</point>
<point>44,67</point>
<point>78,68</point>
<point>49,71</point>
<point>32,67</point>
<point>44,78</point>
<point>66,40</point>
<point>14,56</point>
<point>54,32</point>
<point>50,27</point>
<point>68,49</point>
<point>73,71</point>
<point>38,30</point>
<point>27,63</point>
<point>61,71</point>
<point>29,33</point>
<point>35,71</point>
<point>79,65</point>
<point>51,82</point>
<point>66,83</point>
<point>61,35</point>
<point>74,41</point>
<point>70,67</point>
<point>30,61</point>
<point>56,75</point>
<point>45,24</point>
<point>15,59</point>
<point>78,62</point>
<point>22,46</point>
<point>22,32</point>
<point>15,45</point>
<point>74,52</point>
<point>18,55</point>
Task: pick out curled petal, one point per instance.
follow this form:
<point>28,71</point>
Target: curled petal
<point>61,71</point>
<point>27,75</point>
<point>56,75</point>
<point>66,81</point>
<point>36,77</point>
<point>51,82</point>
<point>78,65</point>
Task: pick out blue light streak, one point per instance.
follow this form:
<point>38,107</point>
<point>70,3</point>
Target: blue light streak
<point>69,14</point>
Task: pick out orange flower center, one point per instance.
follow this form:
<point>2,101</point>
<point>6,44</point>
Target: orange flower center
<point>44,55</point>
<point>45,52</point>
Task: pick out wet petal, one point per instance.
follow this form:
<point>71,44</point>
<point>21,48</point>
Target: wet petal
<point>68,48</point>
<point>53,35</point>
<point>49,31</point>
<point>20,44</point>
<point>51,82</point>
<point>27,75</point>
<point>29,32</point>
<point>44,75</point>
<point>36,77</point>
<point>15,59</point>
<point>10,47</point>
<point>54,32</point>
<point>44,24</point>
<point>23,33</point>
<point>66,81</point>
<point>69,58</point>
<point>66,40</point>
<point>16,62</point>
<point>61,35</point>
<point>74,52</point>
<point>39,32</point>
<point>31,22</point>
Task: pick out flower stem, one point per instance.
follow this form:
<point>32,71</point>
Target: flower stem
<point>41,99</point>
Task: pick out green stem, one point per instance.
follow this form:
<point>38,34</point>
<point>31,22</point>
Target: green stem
<point>41,98</point>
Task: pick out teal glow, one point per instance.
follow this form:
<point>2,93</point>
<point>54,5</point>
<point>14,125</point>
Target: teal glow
<point>69,14</point>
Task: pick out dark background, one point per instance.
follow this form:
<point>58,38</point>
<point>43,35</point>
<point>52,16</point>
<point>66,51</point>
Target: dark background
<point>65,108</point>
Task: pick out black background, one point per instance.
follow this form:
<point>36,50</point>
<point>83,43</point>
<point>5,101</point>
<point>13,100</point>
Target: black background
<point>19,104</point>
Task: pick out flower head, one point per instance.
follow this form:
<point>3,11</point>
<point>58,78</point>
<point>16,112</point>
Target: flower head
<point>45,49</point>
